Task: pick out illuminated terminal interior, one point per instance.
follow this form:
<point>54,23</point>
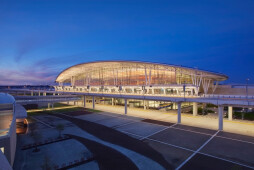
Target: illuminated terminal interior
<point>137,78</point>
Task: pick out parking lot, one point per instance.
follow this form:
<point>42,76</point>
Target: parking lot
<point>184,147</point>
<point>172,145</point>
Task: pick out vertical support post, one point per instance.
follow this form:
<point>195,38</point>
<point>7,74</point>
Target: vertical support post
<point>220,114</point>
<point>39,93</point>
<point>84,100</point>
<point>125,106</point>
<point>230,113</point>
<point>179,112</point>
<point>195,108</point>
<point>44,94</point>
<point>112,101</point>
<point>144,104</point>
<point>32,93</point>
<point>48,105</point>
<point>93,103</point>
<point>52,105</point>
<point>54,94</point>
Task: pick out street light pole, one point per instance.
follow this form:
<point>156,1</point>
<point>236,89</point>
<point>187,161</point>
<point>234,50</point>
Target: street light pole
<point>247,80</point>
<point>184,86</point>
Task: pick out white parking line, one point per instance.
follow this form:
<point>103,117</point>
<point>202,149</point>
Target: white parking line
<point>137,120</point>
<point>120,116</point>
<point>158,131</point>
<point>239,140</point>
<point>192,155</point>
<point>130,133</point>
<point>194,152</point>
<point>178,128</point>
<point>42,122</point>
<point>101,119</point>
<point>117,126</point>
<point>237,163</point>
<point>192,131</point>
<point>171,145</point>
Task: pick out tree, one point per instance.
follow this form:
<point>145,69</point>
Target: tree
<point>60,128</point>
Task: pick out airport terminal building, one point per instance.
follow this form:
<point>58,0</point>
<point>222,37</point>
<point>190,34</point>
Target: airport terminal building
<point>131,77</point>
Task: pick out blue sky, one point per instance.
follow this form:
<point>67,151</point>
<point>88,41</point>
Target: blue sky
<point>38,39</point>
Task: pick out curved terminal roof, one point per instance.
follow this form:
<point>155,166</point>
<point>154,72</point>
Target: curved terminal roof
<point>86,67</point>
<point>6,98</point>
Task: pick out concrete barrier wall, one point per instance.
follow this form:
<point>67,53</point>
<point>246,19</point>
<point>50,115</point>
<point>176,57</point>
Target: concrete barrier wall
<point>228,89</point>
<point>13,141</point>
<point>8,142</point>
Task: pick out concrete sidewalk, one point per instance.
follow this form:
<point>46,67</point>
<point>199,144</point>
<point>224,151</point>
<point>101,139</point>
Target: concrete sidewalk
<point>234,126</point>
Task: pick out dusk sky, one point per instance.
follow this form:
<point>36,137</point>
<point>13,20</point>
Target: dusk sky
<point>38,39</point>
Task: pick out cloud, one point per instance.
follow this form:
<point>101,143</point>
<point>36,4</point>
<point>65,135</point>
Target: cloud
<point>28,75</point>
<point>43,71</point>
<point>31,43</point>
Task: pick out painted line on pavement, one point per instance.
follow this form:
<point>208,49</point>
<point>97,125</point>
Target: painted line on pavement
<point>42,122</point>
<point>192,131</point>
<point>117,126</point>
<point>158,131</point>
<point>190,150</point>
<point>201,147</point>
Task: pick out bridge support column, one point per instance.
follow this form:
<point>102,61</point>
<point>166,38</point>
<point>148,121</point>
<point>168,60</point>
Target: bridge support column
<point>179,112</point>
<point>220,117</point>
<point>39,94</point>
<point>146,104</point>
<point>125,106</point>
<point>195,108</point>
<point>32,93</point>
<point>103,100</point>
<point>84,100</point>
<point>230,113</point>
<point>93,103</point>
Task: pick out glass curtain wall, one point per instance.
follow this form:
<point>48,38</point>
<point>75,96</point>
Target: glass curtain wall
<point>132,75</point>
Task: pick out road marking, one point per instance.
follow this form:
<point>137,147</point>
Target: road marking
<point>171,145</point>
<point>192,131</point>
<point>198,151</point>
<point>139,120</point>
<point>237,163</point>
<point>239,140</point>
<point>193,154</point>
<point>42,122</point>
<point>134,121</point>
<point>158,131</point>
<point>123,131</point>
<point>117,126</point>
